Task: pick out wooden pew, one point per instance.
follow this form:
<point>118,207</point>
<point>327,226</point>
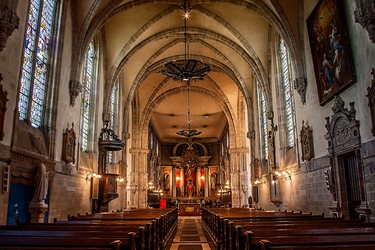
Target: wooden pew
<point>214,220</point>
<point>355,241</point>
<point>101,231</point>
<point>165,226</point>
<point>240,229</point>
<point>17,242</point>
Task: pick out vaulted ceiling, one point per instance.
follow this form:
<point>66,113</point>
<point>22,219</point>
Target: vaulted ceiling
<point>231,36</point>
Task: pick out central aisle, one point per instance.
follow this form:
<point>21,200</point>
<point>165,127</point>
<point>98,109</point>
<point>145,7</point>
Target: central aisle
<point>190,235</point>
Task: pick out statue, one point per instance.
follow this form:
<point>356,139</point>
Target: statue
<point>41,186</point>
<point>167,180</point>
<point>213,181</point>
<point>190,188</point>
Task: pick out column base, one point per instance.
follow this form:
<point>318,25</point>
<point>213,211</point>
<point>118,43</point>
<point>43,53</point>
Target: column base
<point>37,212</point>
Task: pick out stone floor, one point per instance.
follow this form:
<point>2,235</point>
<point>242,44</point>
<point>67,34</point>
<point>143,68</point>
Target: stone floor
<point>190,235</point>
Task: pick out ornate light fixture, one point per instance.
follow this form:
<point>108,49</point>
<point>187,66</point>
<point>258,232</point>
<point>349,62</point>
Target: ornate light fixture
<point>189,133</point>
<point>186,69</point>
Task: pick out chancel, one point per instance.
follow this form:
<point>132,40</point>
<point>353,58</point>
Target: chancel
<point>137,112</point>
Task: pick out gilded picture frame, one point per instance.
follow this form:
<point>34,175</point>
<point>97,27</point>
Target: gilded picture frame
<point>330,51</point>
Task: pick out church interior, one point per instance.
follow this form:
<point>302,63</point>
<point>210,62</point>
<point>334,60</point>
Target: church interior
<point>109,105</point>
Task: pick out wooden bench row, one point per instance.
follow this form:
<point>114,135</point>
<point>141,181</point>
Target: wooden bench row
<point>275,231</point>
<point>138,231</point>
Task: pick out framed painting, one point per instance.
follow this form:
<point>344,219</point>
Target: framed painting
<point>330,51</point>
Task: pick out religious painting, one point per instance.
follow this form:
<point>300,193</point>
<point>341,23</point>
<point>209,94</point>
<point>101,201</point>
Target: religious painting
<point>330,51</point>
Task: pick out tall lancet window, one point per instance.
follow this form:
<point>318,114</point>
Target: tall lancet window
<point>35,59</point>
<point>263,122</point>
<point>87,87</point>
<point>113,114</point>
<point>285,63</point>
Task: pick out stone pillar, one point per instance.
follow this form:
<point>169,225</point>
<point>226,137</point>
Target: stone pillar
<point>234,174</point>
<point>173,182</point>
<point>139,176</point>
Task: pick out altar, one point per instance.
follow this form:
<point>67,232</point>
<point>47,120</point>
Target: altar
<point>190,209</point>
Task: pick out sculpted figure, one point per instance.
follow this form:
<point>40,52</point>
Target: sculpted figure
<point>41,186</point>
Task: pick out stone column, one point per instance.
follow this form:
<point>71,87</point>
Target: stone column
<point>139,175</point>
<point>235,173</point>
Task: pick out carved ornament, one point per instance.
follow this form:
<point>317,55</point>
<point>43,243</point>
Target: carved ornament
<point>69,145</point>
<point>364,14</point>
<point>3,108</point>
<point>300,84</point>
<point>342,128</point>
<point>9,21</point>
<point>75,88</point>
<point>306,142</point>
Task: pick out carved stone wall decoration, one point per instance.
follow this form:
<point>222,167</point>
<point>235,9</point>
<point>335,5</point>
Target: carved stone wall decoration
<point>75,88</point>
<point>307,144</point>
<point>300,84</point>
<point>343,129</point>
<point>371,101</point>
<point>365,16</point>
<point>346,175</point>
<point>9,21</point>
<point>3,108</point>
<point>69,145</point>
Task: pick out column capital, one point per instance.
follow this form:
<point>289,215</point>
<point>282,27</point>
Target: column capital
<point>138,151</point>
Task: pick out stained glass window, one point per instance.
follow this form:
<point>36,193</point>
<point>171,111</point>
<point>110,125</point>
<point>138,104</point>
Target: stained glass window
<point>87,82</point>
<point>34,68</point>
<point>287,92</point>
<point>263,122</point>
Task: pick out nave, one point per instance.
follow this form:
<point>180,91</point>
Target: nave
<point>190,235</point>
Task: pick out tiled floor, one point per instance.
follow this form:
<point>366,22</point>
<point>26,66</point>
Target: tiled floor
<point>190,235</point>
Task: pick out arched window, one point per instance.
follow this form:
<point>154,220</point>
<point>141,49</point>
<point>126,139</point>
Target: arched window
<point>285,63</point>
<point>35,59</point>
<point>263,122</point>
<point>87,87</point>
<point>113,113</point>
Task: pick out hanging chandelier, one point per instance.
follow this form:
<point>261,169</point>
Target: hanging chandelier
<point>189,133</point>
<point>186,70</point>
